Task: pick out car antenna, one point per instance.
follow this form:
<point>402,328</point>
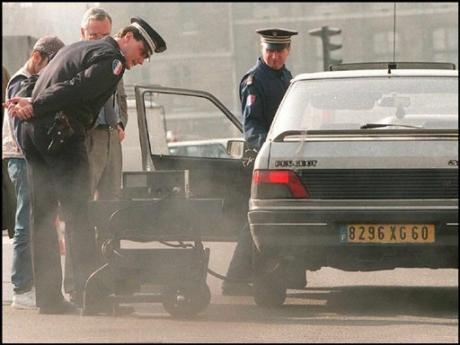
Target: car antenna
<point>393,65</point>
<point>394,31</point>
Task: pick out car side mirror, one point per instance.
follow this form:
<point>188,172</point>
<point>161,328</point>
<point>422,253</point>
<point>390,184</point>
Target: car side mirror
<point>235,148</point>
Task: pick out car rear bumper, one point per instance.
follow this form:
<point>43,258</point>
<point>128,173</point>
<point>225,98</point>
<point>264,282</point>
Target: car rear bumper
<point>312,229</point>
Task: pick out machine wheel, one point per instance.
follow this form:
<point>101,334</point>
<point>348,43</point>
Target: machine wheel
<point>186,301</point>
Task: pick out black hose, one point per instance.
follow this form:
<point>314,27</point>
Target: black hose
<point>180,245</point>
<point>222,277</point>
<point>217,275</point>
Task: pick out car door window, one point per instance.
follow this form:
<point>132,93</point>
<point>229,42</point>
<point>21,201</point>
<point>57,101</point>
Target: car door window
<point>185,125</point>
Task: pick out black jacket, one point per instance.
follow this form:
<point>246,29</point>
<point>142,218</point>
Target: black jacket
<point>79,80</point>
<point>261,92</point>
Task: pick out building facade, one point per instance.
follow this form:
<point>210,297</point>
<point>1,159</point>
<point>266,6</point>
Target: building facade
<point>211,45</point>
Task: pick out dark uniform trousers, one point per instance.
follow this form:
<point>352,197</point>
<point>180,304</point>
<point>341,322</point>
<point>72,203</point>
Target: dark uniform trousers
<point>240,267</point>
<point>62,177</point>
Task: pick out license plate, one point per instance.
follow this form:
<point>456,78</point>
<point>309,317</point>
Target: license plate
<point>388,233</point>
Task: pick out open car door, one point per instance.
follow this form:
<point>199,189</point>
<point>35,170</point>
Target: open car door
<point>183,129</point>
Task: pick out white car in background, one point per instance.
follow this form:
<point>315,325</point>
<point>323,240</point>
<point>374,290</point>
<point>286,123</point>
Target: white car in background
<point>359,172</point>
<point>211,148</point>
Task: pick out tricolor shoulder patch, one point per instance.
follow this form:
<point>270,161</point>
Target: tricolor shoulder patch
<point>250,100</point>
<point>117,67</point>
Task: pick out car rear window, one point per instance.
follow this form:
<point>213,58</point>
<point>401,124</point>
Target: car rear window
<point>350,103</point>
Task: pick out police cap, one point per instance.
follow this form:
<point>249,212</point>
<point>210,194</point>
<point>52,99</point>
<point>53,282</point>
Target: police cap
<point>275,38</point>
<point>154,41</point>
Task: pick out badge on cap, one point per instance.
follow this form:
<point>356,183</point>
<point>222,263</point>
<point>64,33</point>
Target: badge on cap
<point>117,67</point>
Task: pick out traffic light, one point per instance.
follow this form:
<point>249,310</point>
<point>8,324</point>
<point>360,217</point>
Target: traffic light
<point>324,33</point>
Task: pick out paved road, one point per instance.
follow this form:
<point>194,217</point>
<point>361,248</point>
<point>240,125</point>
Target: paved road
<point>402,305</point>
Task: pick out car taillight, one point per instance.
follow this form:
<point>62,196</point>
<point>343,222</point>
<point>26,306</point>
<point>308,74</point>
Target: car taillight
<point>277,184</point>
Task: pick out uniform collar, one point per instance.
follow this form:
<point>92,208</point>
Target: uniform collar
<point>114,43</point>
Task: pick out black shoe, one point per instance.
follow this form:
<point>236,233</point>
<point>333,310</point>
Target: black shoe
<point>236,289</point>
<point>62,307</point>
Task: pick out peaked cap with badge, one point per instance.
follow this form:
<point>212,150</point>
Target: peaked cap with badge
<point>275,38</point>
<point>153,39</point>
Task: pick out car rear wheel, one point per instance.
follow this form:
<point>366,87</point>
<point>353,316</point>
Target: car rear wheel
<point>269,291</point>
<point>269,282</point>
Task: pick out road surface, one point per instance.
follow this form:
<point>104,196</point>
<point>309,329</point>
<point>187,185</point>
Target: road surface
<point>402,305</point>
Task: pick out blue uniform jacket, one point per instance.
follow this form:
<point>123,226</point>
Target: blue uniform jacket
<point>261,92</point>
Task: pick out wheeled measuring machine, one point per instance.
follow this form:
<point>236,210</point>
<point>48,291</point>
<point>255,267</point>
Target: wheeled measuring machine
<point>150,214</point>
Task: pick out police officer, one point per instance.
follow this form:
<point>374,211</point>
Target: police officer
<point>261,90</point>
<point>104,140</point>
<point>76,84</point>
<point>263,86</point>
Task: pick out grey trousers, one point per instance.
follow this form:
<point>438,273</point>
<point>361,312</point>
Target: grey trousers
<point>105,163</point>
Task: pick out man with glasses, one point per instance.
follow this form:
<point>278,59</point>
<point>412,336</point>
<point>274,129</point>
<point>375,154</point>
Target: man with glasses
<point>65,103</point>
<point>104,140</point>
